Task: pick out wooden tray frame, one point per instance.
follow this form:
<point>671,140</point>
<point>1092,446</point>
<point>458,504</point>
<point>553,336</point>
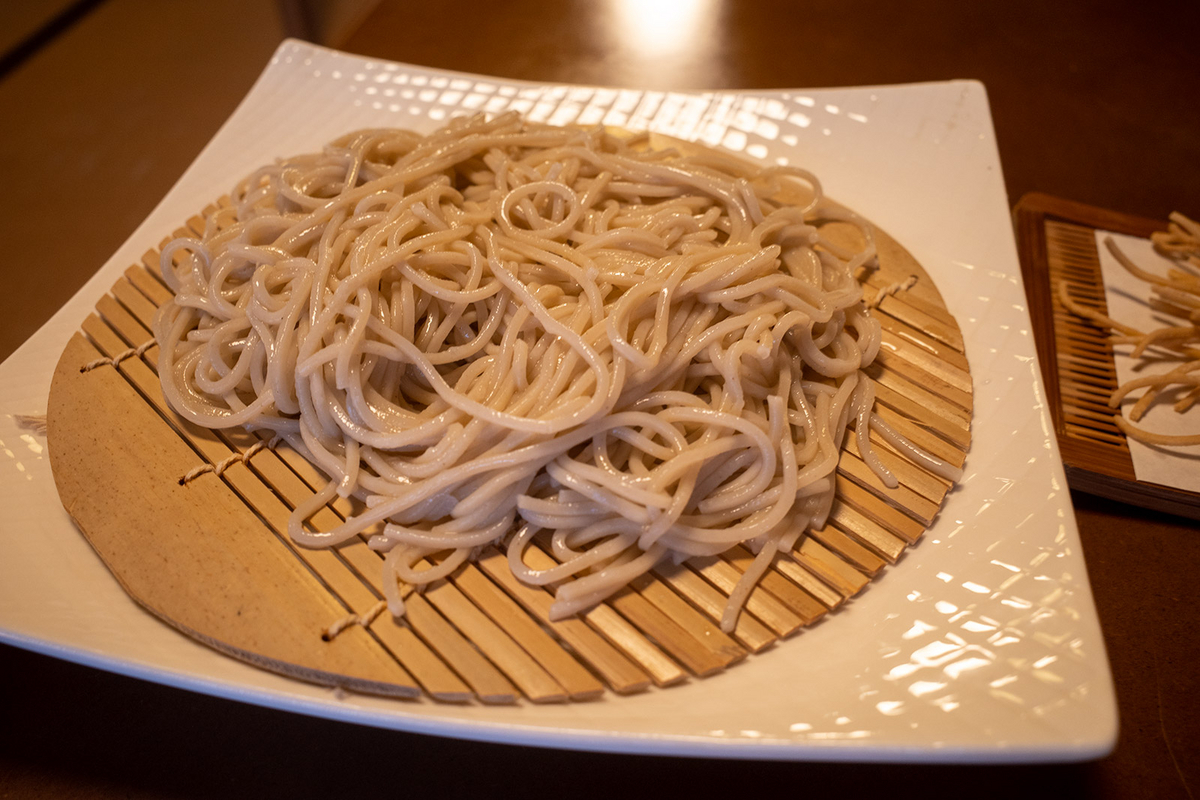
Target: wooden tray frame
<point>192,522</point>
<point>1056,241</point>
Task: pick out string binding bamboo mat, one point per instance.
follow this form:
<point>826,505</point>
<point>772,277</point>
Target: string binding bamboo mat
<point>1056,242</point>
<point>192,522</point>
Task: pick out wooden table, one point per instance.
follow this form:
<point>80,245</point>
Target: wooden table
<point>1097,104</point>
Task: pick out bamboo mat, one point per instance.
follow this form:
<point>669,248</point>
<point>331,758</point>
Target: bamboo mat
<point>192,522</point>
<point>1056,240</point>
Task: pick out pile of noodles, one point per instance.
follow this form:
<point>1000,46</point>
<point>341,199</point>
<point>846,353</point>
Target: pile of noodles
<point>516,334</point>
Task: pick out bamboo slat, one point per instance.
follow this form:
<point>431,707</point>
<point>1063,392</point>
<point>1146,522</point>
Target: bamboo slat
<point>621,673</point>
<point>899,496</point>
<point>824,563</point>
<point>924,435</point>
<point>479,635</point>
<point>927,485</point>
<point>879,511</point>
<point>935,364</point>
<point>624,634</point>
<point>922,409</point>
<point>751,633</point>
<point>724,649</point>
<point>860,557</point>
<point>761,603</point>
<point>868,532</point>
<point>485,680</point>
<point>496,645</point>
<point>921,317</point>
<point>895,331</point>
<point>663,671</point>
<point>569,673</point>
<point>792,595</point>
<point>810,583</point>
<point>676,640</point>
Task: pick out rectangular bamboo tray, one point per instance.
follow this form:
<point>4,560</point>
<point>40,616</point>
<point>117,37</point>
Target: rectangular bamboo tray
<point>1056,242</point>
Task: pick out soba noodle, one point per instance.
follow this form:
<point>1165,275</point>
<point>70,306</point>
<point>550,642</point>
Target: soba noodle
<point>516,334</point>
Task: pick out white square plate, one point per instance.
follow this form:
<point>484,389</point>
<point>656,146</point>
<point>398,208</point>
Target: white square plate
<point>982,644</point>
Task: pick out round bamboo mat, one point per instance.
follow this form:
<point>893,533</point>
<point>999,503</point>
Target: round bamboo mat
<point>192,522</point>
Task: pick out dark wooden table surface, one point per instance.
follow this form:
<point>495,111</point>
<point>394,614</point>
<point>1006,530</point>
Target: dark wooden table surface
<point>106,104</point>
